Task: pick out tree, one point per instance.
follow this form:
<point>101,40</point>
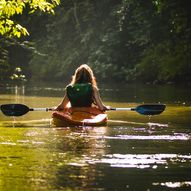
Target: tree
<point>10,8</point>
<point>11,30</point>
<point>147,41</point>
<point>167,56</point>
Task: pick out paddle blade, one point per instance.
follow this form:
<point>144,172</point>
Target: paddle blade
<point>150,109</point>
<point>14,109</point>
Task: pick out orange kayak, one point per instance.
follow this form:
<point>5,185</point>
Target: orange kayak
<point>79,116</point>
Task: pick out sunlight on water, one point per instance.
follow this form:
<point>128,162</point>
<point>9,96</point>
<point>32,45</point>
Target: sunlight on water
<point>157,125</point>
<point>182,136</point>
<point>26,123</point>
<point>7,143</point>
<point>174,184</point>
<point>14,121</point>
<point>140,160</point>
<point>154,137</point>
<point>133,152</point>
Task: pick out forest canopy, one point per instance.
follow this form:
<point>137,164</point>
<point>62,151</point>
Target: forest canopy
<point>124,40</point>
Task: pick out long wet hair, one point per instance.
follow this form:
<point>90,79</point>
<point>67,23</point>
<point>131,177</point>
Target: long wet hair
<point>84,74</point>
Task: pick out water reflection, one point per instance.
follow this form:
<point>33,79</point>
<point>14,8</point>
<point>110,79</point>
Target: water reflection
<point>56,158</point>
<point>19,90</point>
<point>132,153</point>
<point>153,137</point>
<point>179,136</point>
<point>141,160</point>
<point>17,122</point>
<point>137,93</point>
<point>186,184</point>
<point>16,90</point>
<point>75,146</point>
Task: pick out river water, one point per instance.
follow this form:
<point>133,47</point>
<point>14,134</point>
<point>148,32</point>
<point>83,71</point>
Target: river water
<point>133,152</point>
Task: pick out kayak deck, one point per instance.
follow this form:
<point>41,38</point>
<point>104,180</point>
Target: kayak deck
<point>79,116</point>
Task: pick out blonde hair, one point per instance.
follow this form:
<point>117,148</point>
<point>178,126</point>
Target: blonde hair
<point>84,74</point>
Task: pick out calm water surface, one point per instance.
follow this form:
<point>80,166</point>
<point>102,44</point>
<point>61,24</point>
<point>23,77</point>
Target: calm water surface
<point>132,152</point>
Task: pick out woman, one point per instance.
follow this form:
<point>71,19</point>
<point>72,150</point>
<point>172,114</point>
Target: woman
<point>82,91</point>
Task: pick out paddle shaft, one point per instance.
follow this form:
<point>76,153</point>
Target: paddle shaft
<point>40,109</point>
<point>122,109</point>
<point>51,109</point>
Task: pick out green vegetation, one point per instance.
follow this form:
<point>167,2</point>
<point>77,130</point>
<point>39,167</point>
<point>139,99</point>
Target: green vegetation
<point>126,40</point>
<point>9,8</point>
<point>11,12</point>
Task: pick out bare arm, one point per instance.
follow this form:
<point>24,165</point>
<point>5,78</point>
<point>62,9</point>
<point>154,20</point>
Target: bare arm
<point>64,104</point>
<point>98,101</point>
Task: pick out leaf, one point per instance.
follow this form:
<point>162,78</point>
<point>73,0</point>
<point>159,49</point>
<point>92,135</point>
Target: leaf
<point>10,8</point>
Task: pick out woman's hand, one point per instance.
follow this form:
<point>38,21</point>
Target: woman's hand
<point>58,108</point>
<point>105,108</point>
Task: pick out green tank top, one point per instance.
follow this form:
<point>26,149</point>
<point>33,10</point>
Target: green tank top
<point>80,95</point>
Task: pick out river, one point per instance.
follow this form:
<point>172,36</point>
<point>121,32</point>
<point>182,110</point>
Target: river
<point>133,152</point>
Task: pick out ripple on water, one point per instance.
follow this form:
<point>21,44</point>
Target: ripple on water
<point>140,160</point>
<point>181,137</point>
<point>175,136</point>
<point>7,143</point>
<point>173,184</point>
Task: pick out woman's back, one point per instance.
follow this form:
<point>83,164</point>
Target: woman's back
<point>80,95</point>
<point>82,91</point>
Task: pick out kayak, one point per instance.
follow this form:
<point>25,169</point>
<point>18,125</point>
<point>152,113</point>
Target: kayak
<point>79,116</point>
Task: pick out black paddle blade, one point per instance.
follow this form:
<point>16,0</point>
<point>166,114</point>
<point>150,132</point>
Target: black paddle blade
<point>150,109</point>
<point>14,109</point>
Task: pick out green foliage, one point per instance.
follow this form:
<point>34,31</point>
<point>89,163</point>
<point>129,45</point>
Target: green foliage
<point>10,29</point>
<point>10,8</point>
<point>127,40</point>
<point>18,75</point>
<point>164,64</point>
<point>166,59</point>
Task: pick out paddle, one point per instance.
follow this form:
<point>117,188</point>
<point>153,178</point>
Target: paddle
<point>145,109</point>
<point>20,109</point>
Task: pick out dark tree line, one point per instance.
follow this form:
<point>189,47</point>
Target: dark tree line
<point>123,40</point>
